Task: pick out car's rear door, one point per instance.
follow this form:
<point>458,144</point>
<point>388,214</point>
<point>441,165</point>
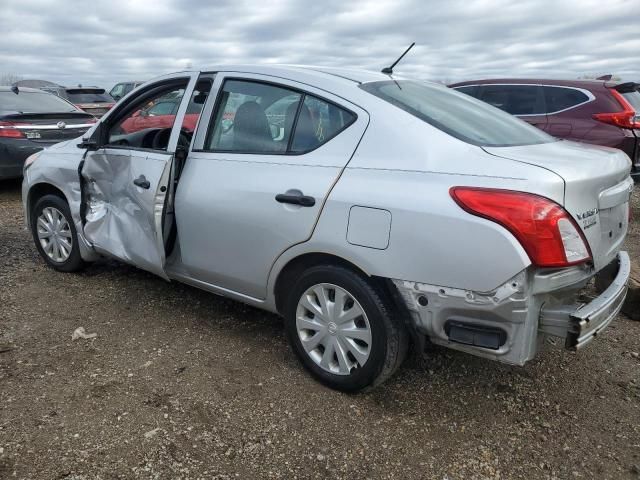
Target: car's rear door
<point>565,117</point>
<point>522,100</point>
<point>264,158</point>
<point>126,181</point>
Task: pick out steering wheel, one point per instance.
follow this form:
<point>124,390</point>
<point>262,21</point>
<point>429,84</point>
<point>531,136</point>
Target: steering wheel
<point>161,139</point>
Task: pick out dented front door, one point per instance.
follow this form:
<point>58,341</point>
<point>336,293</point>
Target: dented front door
<point>126,185</point>
<point>125,192</point>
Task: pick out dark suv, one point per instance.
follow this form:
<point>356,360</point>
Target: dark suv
<point>93,100</point>
<point>590,111</point>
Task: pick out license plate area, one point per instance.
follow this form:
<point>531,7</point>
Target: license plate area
<point>614,223</point>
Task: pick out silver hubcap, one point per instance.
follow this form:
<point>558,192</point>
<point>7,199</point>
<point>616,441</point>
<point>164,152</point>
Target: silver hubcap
<point>333,328</point>
<point>54,234</point>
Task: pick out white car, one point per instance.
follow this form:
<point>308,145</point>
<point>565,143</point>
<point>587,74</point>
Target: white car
<point>370,211</point>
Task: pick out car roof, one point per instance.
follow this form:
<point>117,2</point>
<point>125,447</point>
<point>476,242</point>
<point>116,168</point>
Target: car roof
<point>293,71</point>
<point>535,81</point>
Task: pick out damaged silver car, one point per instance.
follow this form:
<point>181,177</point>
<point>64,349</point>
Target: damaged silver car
<point>370,211</point>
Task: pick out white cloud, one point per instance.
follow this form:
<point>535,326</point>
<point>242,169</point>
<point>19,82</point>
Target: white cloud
<point>102,42</point>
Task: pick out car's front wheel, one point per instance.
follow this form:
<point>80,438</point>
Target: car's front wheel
<point>55,235</point>
<point>343,329</point>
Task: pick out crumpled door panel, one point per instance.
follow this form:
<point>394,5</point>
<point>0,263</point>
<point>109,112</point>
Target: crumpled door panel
<point>124,220</point>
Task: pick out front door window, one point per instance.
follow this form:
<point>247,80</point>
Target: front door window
<point>148,122</point>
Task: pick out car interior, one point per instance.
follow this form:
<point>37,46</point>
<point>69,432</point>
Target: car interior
<point>251,117</point>
<point>260,118</point>
<point>125,132</point>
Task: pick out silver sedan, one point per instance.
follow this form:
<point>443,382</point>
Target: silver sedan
<point>372,212</point>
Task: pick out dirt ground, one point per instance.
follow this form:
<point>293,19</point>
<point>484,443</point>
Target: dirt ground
<point>180,383</point>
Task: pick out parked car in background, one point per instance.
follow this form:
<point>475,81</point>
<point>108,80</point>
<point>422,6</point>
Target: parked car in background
<point>31,120</point>
<point>93,100</point>
<point>367,210</point>
<point>119,90</point>
<point>590,111</point>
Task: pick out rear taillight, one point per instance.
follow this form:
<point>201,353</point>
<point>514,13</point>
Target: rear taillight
<point>627,118</point>
<point>545,230</point>
<point>9,130</point>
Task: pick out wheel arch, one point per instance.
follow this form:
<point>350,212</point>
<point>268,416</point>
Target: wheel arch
<point>39,190</point>
<point>296,265</point>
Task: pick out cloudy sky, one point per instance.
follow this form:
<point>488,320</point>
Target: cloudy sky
<point>102,42</point>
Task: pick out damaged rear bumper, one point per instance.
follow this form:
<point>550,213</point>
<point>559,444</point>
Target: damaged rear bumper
<point>578,325</point>
<point>509,323</point>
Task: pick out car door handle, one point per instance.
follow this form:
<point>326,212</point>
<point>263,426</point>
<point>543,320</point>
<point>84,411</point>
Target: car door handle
<point>302,200</point>
<point>142,182</point>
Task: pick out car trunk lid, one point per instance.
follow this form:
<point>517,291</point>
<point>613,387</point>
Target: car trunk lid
<point>596,193</point>
<point>49,127</point>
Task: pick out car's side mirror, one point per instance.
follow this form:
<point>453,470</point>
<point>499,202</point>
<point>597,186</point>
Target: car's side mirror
<point>93,142</point>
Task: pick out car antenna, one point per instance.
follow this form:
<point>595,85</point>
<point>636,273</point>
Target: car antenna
<point>15,89</point>
<point>389,70</point>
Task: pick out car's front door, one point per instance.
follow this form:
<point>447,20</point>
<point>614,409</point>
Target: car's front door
<point>265,156</point>
<point>126,181</point>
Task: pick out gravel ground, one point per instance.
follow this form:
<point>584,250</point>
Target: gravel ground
<point>180,383</point>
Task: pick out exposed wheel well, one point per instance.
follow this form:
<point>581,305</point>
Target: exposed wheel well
<point>295,267</point>
<point>40,190</point>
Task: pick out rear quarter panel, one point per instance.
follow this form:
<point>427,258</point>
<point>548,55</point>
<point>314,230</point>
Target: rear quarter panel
<point>407,167</point>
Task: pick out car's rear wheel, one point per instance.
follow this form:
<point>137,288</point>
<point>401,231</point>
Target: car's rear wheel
<point>342,328</point>
<point>55,235</point>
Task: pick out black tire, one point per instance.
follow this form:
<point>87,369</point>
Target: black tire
<point>74,261</point>
<point>389,337</point>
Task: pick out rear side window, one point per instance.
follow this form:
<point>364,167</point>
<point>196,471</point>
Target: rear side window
<point>255,117</point>
<point>459,115</point>
<point>317,123</point>
<point>33,102</point>
<point>513,99</point>
<point>561,98</point>
<point>471,90</point>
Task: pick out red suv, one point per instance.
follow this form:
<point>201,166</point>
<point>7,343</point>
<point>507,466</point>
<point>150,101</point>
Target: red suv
<point>590,111</point>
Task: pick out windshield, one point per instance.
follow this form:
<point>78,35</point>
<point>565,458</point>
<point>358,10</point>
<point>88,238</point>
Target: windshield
<point>457,114</point>
<point>89,96</point>
<point>33,102</point>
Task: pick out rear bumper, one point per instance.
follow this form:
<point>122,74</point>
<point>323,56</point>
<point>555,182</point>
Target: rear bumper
<point>581,324</point>
<point>509,323</point>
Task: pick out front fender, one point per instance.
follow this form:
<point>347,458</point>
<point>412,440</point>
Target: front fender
<point>58,168</point>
